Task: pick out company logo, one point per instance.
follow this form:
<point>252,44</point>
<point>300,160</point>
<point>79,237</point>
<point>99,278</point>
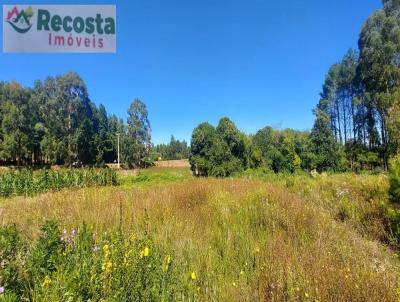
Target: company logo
<point>59,28</point>
<point>20,20</point>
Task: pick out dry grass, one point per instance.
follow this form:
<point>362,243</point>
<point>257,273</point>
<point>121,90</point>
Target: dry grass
<point>247,240</point>
<point>181,163</point>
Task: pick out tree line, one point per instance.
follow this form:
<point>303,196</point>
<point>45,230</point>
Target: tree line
<point>174,150</point>
<point>360,98</point>
<point>224,150</point>
<point>357,119</point>
<point>55,122</point>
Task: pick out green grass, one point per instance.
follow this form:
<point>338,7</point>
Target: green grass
<point>155,176</point>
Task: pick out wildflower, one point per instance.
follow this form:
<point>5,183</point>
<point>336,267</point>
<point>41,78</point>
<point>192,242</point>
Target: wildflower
<point>167,262</point>
<point>241,272</point>
<point>297,289</point>
<point>144,253</point>
<point>234,284</point>
<point>257,249</point>
<point>46,281</point>
<point>106,267</point>
<point>106,251</point>
<point>193,276</point>
<point>306,295</point>
<point>2,290</point>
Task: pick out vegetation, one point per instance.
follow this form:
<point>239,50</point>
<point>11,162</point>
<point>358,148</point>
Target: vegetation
<point>357,123</point>
<point>361,93</point>
<point>174,150</point>
<point>394,178</point>
<point>27,182</point>
<point>225,150</point>
<point>282,238</point>
<point>155,176</point>
<point>75,266</point>
<point>55,122</point>
<point>276,228</point>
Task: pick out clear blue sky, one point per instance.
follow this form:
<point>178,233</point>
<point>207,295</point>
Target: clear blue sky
<point>258,62</point>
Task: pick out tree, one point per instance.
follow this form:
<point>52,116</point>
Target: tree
<point>138,140</point>
<point>323,143</point>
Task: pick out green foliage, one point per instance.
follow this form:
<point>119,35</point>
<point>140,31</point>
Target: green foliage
<point>394,179</point>
<point>224,150</point>
<point>324,145</point>
<point>75,266</point>
<point>136,151</point>
<point>218,152</point>
<point>28,182</point>
<point>154,176</point>
<point>360,93</point>
<point>57,123</point>
<point>174,150</point>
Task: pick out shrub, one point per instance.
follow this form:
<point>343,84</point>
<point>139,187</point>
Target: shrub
<point>394,179</point>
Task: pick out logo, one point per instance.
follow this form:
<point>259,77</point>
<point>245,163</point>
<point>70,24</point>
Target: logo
<point>59,28</point>
<point>20,20</point>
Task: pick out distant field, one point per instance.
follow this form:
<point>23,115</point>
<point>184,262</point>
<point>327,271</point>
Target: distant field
<point>253,238</point>
<point>182,163</point>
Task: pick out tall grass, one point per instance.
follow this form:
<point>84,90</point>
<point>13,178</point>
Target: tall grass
<point>75,266</point>
<point>243,240</point>
<point>28,182</point>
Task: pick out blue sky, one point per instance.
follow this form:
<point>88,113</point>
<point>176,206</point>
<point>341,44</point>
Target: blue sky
<point>258,62</point>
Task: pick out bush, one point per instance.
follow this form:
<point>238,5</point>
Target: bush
<point>394,179</point>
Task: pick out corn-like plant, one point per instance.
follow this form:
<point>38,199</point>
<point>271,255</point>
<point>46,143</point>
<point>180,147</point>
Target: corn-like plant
<point>28,182</point>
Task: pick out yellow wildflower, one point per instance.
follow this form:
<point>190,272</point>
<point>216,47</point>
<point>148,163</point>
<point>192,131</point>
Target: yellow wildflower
<point>306,295</point>
<point>167,262</point>
<point>46,281</point>
<point>106,266</point>
<point>193,276</point>
<point>234,284</point>
<point>106,251</point>
<point>241,272</point>
<point>146,252</point>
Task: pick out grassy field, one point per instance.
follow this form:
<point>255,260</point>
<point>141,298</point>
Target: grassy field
<point>163,235</point>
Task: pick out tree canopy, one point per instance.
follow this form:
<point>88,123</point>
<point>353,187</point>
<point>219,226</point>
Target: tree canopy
<point>55,122</point>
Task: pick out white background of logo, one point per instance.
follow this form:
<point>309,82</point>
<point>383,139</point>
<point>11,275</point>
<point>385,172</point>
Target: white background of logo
<point>38,41</point>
